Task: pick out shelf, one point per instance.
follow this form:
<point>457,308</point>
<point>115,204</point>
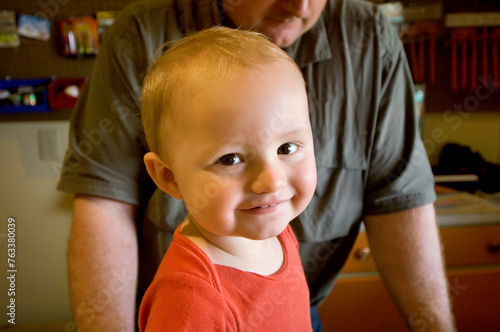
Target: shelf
<point>60,115</point>
<point>41,59</point>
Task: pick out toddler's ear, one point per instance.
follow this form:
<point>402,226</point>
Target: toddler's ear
<point>161,174</point>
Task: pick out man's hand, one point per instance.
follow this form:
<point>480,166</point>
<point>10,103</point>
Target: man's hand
<point>102,260</point>
<point>407,251</point>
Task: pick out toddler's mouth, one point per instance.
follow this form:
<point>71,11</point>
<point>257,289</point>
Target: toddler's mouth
<point>265,206</point>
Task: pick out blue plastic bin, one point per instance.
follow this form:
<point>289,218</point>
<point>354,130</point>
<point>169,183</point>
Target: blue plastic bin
<point>42,107</point>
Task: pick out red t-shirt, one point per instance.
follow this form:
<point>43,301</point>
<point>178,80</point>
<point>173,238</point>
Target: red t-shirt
<point>190,293</point>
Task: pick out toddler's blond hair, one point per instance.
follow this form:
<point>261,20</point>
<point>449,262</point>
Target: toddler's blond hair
<point>209,55</point>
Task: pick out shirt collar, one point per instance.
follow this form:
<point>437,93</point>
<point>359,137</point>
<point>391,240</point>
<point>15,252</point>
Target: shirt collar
<point>312,47</point>
<point>223,17</point>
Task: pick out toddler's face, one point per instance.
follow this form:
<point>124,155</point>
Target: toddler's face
<point>243,156</point>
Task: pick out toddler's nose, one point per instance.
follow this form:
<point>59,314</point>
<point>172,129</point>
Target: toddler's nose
<point>269,179</point>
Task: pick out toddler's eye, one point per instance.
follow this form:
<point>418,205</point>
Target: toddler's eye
<point>287,148</point>
<point>229,160</point>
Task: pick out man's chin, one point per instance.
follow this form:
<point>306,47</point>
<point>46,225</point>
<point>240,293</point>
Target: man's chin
<point>285,41</point>
<point>284,38</point>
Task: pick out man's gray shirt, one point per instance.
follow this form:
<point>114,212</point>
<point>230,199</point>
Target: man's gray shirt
<point>369,156</point>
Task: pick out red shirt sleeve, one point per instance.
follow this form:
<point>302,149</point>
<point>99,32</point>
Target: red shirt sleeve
<point>166,309</point>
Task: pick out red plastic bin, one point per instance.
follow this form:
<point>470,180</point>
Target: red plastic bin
<point>60,100</point>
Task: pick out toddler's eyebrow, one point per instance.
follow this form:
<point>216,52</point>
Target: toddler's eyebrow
<point>295,134</point>
<point>264,135</point>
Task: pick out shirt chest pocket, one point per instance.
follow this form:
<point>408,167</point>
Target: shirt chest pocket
<point>340,135</point>
<point>340,149</point>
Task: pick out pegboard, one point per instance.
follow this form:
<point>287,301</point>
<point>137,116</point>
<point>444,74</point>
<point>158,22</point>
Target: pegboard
<point>35,58</point>
<point>440,97</point>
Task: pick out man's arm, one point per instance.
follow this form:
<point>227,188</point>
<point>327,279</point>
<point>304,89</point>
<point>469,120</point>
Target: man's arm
<point>407,251</point>
<point>102,260</point>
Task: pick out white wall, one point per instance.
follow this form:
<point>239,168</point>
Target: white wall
<point>43,221</point>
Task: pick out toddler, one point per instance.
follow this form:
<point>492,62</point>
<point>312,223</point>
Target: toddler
<point>225,115</point>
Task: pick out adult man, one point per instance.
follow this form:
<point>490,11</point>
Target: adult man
<point>371,163</point>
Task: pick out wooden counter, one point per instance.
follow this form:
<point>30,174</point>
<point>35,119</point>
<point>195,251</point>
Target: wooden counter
<point>360,302</point>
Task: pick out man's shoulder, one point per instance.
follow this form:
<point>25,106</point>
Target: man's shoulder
<point>140,13</point>
<point>147,6</point>
<point>155,22</point>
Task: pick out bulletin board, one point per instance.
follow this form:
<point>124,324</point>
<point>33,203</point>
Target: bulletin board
<point>37,59</point>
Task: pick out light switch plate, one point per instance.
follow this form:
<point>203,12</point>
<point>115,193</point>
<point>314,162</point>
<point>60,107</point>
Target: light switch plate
<point>47,144</point>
